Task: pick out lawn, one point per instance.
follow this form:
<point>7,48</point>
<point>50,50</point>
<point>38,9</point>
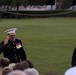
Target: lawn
<point>48,42</point>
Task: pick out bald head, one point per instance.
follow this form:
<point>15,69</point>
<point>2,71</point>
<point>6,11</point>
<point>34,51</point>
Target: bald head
<point>16,72</point>
<point>31,71</point>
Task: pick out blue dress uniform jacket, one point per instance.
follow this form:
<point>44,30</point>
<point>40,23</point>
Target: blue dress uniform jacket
<point>74,58</point>
<point>13,51</point>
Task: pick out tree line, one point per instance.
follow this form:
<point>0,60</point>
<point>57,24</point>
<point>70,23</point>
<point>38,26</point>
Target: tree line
<point>61,4</point>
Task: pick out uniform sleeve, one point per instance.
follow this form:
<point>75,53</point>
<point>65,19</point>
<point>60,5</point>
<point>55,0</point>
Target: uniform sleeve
<point>22,53</point>
<point>74,58</point>
<point>1,46</point>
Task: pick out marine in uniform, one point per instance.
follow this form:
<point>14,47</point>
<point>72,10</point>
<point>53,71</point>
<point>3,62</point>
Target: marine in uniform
<point>12,47</point>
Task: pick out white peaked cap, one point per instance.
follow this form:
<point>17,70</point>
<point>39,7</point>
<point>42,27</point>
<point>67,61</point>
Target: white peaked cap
<point>11,31</point>
<point>71,71</point>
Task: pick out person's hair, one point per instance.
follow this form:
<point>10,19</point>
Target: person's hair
<point>4,62</point>
<point>6,70</point>
<point>31,71</point>
<point>11,65</point>
<point>16,72</point>
<point>21,66</point>
<point>30,63</point>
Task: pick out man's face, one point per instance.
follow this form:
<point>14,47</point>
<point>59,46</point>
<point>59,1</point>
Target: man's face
<point>12,37</point>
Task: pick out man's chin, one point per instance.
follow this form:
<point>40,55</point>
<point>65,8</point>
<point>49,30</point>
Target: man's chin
<point>12,39</point>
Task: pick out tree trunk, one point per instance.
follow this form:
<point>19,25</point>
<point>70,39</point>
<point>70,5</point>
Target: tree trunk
<point>17,15</point>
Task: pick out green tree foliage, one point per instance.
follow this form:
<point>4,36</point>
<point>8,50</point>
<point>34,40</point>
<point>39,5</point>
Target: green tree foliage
<point>17,3</point>
<point>1,2</point>
<point>6,3</point>
<point>64,4</point>
<point>61,4</point>
<point>37,2</point>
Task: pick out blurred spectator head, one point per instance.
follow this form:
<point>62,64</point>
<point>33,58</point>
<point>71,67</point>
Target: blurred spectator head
<point>31,71</point>
<point>12,65</point>
<point>30,63</point>
<point>4,62</point>
<point>6,70</point>
<point>16,72</point>
<point>21,66</point>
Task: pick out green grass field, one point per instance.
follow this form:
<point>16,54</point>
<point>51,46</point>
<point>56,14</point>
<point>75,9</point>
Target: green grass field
<point>49,42</point>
